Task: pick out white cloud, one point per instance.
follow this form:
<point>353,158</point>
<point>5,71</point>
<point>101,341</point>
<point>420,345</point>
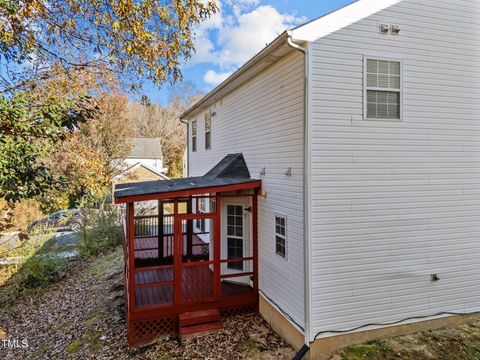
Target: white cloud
<point>214,78</point>
<point>251,32</point>
<point>229,39</point>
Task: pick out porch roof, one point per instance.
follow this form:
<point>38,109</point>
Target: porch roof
<point>231,173</point>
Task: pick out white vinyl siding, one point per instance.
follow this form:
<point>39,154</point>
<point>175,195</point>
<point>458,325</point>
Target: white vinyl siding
<point>263,119</point>
<point>396,201</point>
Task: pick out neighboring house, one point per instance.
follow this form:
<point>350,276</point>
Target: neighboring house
<point>340,168</point>
<point>145,163</point>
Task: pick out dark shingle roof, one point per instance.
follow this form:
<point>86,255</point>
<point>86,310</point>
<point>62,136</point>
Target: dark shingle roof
<point>231,170</point>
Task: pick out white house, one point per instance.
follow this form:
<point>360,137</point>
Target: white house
<point>364,127</point>
<point>147,151</point>
<point>145,162</point>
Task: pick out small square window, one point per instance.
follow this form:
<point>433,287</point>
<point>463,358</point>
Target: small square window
<point>281,235</point>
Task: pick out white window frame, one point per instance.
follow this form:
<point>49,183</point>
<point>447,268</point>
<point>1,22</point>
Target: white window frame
<point>284,236</point>
<point>236,237</point>
<point>208,116</point>
<point>366,88</point>
<point>195,122</point>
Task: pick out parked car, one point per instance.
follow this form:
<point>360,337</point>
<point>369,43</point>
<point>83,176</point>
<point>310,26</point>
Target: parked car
<point>71,219</point>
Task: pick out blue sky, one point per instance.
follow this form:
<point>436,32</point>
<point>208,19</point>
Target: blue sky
<point>236,33</point>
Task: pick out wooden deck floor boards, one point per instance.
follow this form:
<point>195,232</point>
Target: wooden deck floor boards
<point>197,285</point>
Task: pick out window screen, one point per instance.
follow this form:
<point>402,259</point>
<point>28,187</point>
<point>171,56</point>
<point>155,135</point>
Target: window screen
<point>383,82</point>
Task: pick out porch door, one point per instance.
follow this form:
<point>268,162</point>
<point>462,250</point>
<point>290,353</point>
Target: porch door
<point>196,260</point>
<point>235,236</point>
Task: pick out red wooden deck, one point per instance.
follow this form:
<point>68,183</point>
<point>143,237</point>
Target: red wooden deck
<point>197,285</point>
<point>147,247</point>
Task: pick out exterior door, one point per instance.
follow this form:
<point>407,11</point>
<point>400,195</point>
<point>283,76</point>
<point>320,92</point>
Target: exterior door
<point>235,235</point>
<point>194,253</point>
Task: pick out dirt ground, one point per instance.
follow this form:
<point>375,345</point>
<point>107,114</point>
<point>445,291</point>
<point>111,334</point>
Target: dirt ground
<point>83,317</point>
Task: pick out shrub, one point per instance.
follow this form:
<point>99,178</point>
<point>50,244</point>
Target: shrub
<point>36,267</point>
<point>100,231</point>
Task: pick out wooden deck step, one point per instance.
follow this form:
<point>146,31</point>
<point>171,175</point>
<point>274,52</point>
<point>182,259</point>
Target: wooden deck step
<point>188,332</point>
<point>198,317</point>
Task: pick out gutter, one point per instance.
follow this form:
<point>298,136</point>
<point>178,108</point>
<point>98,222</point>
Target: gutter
<point>306,195</point>
<point>186,147</point>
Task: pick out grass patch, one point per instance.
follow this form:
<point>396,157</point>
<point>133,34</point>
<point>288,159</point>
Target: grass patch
<point>372,350</point>
<point>106,263</point>
<point>453,343</point>
<point>74,346</point>
<point>93,320</point>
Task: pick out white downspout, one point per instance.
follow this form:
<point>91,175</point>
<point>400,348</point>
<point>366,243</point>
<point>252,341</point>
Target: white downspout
<point>186,148</point>
<point>306,188</point>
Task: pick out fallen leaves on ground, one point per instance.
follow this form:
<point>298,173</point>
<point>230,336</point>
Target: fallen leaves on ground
<point>83,317</point>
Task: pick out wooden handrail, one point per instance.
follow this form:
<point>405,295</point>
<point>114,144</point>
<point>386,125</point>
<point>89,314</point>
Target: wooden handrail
<point>226,276</point>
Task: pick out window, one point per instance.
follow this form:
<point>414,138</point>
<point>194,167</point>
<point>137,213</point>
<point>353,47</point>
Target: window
<point>383,89</point>
<point>235,236</point>
<point>281,235</point>
<point>194,135</point>
<point>208,131</point>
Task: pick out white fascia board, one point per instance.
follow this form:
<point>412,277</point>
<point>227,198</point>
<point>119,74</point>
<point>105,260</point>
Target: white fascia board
<point>339,19</point>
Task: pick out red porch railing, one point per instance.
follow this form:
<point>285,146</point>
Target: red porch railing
<point>170,269</point>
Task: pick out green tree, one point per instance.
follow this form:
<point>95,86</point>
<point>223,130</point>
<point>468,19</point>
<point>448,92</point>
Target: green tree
<point>134,39</point>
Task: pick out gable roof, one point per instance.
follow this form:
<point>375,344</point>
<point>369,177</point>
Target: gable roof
<point>231,170</point>
<point>231,166</point>
<point>136,166</point>
<point>278,48</point>
<point>339,19</point>
<point>146,148</point>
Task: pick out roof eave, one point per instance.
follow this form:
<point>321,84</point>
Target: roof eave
<point>252,184</point>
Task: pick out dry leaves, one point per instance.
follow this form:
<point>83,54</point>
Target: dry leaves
<point>84,317</point>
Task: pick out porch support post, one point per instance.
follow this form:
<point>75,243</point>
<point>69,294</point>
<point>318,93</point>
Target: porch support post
<point>190,229</point>
<point>177,254</point>
<point>255,239</point>
<point>216,247</point>
<point>160,229</point>
<point>131,253</point>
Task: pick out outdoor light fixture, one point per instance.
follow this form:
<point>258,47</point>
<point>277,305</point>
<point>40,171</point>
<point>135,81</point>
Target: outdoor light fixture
<point>395,30</point>
<point>384,28</point>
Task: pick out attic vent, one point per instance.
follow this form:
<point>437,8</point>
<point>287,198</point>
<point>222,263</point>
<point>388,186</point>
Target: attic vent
<point>384,28</point>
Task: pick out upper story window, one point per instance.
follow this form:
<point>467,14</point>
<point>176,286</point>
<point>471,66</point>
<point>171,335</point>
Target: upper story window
<point>194,135</point>
<point>383,89</point>
<point>208,131</point>
<point>281,235</point>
